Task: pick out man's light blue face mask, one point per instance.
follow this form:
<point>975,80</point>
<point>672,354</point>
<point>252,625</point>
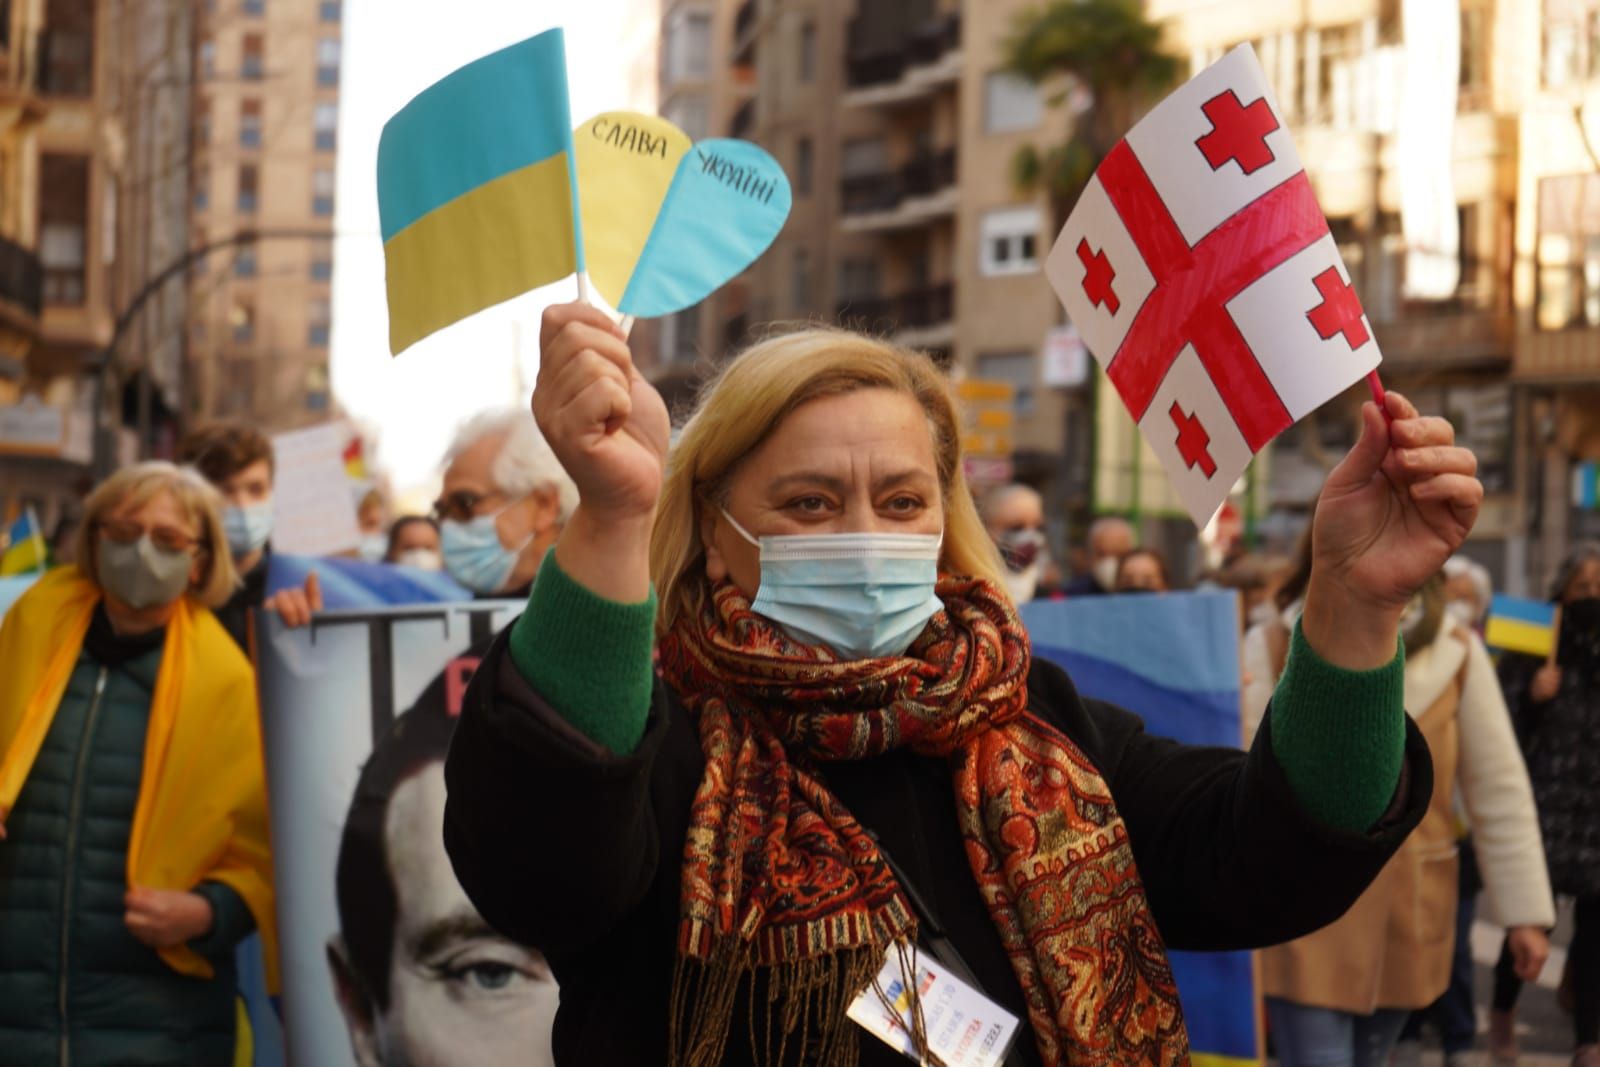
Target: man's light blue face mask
<point>864,595</point>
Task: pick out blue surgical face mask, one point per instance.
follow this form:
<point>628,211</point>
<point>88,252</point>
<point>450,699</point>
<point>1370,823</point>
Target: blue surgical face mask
<point>864,595</point>
<point>474,555</point>
<point>247,527</point>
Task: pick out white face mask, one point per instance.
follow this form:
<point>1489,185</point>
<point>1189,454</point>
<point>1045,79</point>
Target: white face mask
<point>1463,612</point>
<point>1023,584</point>
<point>864,595</point>
<point>423,559</point>
<point>1105,572</point>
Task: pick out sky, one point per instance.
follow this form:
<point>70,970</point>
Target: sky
<point>393,49</point>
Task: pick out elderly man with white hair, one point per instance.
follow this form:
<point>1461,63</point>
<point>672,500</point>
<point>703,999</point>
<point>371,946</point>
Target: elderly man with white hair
<point>504,501</point>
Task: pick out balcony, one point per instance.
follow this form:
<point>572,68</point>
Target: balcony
<point>66,63</point>
<point>21,283</point>
<point>1471,329</point>
<point>913,195</point>
<point>902,68</point>
<point>918,318</point>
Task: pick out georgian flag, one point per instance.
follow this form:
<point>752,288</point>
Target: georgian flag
<point>1199,270</point>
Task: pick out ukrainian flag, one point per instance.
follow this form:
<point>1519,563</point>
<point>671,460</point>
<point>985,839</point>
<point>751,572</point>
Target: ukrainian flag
<point>1520,625</point>
<point>477,187</point>
<point>25,548</point>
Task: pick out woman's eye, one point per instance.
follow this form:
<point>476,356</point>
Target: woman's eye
<point>905,504</point>
<point>810,504</point>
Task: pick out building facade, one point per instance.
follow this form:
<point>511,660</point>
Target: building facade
<point>265,129</point>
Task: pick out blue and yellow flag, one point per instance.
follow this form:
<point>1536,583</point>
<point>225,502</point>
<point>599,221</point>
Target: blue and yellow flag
<point>25,549</point>
<point>1517,624</point>
<point>476,189</point>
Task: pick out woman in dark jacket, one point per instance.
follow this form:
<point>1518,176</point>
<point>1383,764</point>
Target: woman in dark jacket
<point>133,811</point>
<point>850,755</point>
<point>1556,707</point>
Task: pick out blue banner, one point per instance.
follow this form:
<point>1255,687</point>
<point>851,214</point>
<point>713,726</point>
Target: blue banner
<point>1172,659</point>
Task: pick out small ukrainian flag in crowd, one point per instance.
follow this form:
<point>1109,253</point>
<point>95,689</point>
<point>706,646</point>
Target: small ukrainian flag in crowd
<point>1517,624</point>
<point>476,180</point>
<point>25,549</point>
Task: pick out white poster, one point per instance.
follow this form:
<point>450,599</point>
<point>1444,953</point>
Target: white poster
<point>314,510</point>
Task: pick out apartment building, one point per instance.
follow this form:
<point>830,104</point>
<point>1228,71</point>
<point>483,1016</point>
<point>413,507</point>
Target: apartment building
<point>266,118</point>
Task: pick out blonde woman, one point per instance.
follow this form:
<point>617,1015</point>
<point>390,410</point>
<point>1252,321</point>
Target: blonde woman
<point>850,754</point>
<point>133,810</point>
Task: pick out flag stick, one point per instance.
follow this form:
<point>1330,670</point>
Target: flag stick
<point>1376,385</point>
<point>583,288</point>
<point>626,325</point>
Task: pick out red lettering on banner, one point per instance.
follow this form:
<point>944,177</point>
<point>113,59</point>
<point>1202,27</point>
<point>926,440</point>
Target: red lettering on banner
<point>1097,278</point>
<point>1238,134</point>
<point>1194,444</point>
<point>1339,312</point>
<point>1194,285</point>
<point>457,673</point>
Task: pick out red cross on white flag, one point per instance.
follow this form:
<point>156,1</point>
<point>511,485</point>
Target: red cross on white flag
<point>1199,270</point>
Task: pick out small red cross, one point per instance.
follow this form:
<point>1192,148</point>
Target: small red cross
<point>1339,312</point>
<point>1097,278</point>
<point>1238,133</point>
<point>1193,442</point>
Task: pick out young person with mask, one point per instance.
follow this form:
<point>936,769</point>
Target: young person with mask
<point>1110,538</point>
<point>850,753</point>
<point>414,542</point>
<point>1144,570</point>
<point>1342,996</point>
<point>134,853</point>
<point>238,461</point>
<point>504,501</point>
<point>1556,705</point>
<point>1014,516</point>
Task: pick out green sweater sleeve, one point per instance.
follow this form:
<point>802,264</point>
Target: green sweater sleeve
<point>1340,736</point>
<point>589,657</point>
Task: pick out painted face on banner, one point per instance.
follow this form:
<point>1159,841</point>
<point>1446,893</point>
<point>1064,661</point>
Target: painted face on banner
<point>458,992</point>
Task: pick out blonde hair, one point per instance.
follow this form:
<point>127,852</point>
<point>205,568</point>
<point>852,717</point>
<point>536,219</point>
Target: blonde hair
<point>195,497</point>
<point>746,401</point>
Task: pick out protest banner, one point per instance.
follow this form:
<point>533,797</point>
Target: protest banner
<point>1174,660</point>
<point>1202,275</point>
<point>381,949</point>
<point>312,508</point>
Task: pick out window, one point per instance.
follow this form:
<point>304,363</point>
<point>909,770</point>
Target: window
<point>322,261</point>
<point>202,189</point>
<point>1568,252</point>
<point>249,181</point>
<point>802,166</point>
<point>1560,54</point>
<point>243,320</point>
<point>858,279</point>
<point>687,49</point>
<point>1019,369</point>
<point>63,227</point>
<point>254,64</point>
<point>319,316</point>
<point>688,112</point>
<point>66,50</point>
<point>255,7</point>
<point>330,11</point>
<point>680,335</point>
<point>1337,48</point>
<point>864,156</point>
<point>244,261</point>
<point>1475,25</point>
<point>328,61</point>
<point>1008,242</point>
<point>250,124</point>
<point>208,59</point>
<point>317,387</point>
<point>326,123</point>
<point>800,282</point>
<point>808,53</point>
<point>1010,103</point>
<point>322,192</point>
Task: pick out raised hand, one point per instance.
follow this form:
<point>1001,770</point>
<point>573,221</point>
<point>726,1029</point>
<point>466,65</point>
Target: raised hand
<point>609,428</point>
<point>1398,506</point>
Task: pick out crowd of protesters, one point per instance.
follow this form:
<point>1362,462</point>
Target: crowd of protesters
<point>801,612</point>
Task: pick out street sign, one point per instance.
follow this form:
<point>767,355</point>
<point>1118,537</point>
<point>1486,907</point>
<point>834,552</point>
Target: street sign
<point>1064,358</point>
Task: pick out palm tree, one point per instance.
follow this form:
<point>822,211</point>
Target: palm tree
<point>1105,50</point>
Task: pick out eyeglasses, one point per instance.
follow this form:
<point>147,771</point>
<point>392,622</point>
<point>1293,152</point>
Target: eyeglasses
<point>165,538</point>
<point>461,505</point>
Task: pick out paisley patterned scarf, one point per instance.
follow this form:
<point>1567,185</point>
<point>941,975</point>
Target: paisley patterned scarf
<point>778,876</point>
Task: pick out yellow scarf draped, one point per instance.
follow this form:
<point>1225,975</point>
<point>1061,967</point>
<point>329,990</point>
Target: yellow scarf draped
<point>202,809</point>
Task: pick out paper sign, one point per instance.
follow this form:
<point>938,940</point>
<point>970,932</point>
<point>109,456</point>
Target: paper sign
<point>666,224</point>
<point>312,507</point>
<point>964,1027</point>
<point>1200,271</point>
<point>626,163</point>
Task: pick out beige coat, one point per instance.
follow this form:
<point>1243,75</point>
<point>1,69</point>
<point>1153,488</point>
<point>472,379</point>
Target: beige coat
<point>1392,949</point>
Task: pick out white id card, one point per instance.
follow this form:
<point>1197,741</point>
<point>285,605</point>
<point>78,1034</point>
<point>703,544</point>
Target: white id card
<point>964,1027</point>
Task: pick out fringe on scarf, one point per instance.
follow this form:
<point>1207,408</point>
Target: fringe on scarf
<point>801,1015</point>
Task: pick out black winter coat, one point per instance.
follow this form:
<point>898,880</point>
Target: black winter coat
<point>76,988</point>
<point>563,845</point>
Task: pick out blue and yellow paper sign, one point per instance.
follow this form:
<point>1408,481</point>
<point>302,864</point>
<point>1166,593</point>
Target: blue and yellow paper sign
<point>25,550</point>
<point>1517,624</point>
<point>476,188</point>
